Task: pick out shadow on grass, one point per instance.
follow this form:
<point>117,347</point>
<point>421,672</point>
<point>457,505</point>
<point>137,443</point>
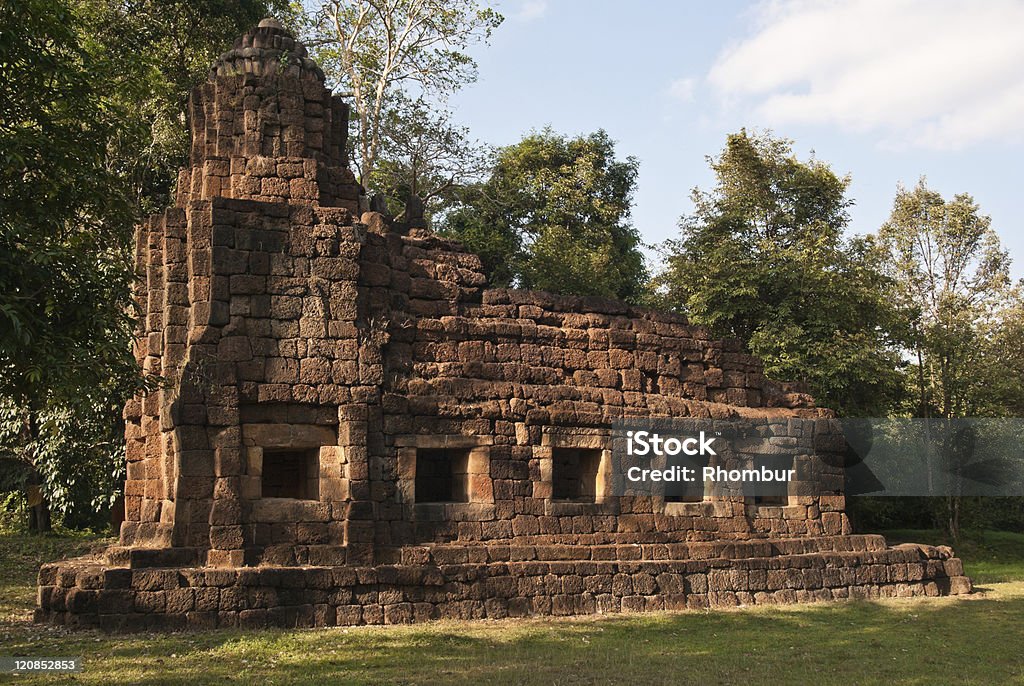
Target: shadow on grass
<point>916,641</point>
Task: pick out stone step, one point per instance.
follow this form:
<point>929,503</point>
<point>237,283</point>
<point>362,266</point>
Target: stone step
<point>142,558</point>
<point>502,551</point>
<point>87,593</point>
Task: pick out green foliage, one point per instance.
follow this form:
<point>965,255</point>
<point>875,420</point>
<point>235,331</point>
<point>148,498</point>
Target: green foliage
<point>422,153</point>
<point>66,215</point>
<point>963,313</point>
<point>880,513</point>
<point>1003,358</point>
<point>963,324</point>
<point>92,133</point>
<point>65,212</point>
<point>763,258</point>
<point>553,215</point>
<point>77,449</point>
<point>385,54</point>
<point>173,42</point>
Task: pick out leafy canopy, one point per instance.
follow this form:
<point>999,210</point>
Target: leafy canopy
<point>65,212</point>
<point>91,133</point>
<point>384,54</point>
<point>952,281</point>
<point>962,313</point>
<point>175,41</point>
<point>424,154</point>
<point>763,258</point>
<point>554,214</point>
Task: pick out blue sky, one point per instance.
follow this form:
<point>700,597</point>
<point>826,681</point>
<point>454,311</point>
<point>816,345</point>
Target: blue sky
<point>885,90</point>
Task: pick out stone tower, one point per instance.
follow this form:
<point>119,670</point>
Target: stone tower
<point>223,303</point>
<point>265,128</point>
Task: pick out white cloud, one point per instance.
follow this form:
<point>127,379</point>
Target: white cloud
<point>682,89</point>
<point>930,73</point>
<point>532,9</point>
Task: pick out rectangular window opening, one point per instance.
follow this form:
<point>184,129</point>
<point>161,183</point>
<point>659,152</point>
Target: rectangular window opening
<point>574,473</point>
<point>772,499</point>
<point>442,475</point>
<point>291,474</point>
<point>771,493</point>
<point>686,491</point>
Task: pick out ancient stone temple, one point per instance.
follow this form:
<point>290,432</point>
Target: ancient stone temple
<point>355,429</point>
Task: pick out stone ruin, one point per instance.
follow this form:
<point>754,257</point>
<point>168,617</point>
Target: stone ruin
<point>355,429</point>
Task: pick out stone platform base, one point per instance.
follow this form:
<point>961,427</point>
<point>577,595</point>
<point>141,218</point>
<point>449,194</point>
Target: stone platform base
<point>496,581</point>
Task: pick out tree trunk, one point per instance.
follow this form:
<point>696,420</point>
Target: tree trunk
<point>953,524</point>
<point>923,414</point>
<point>38,507</point>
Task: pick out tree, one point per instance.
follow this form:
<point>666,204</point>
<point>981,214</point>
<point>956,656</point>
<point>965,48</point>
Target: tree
<point>963,311</point>
<point>422,153</point>
<point>71,137</point>
<point>1005,359</point>
<point>553,215</point>
<point>67,456</point>
<point>93,132</point>
<point>67,213</point>
<point>763,258</point>
<point>65,216</point>
<point>952,279</point>
<point>383,53</point>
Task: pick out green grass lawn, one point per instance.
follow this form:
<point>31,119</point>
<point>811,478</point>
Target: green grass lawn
<point>917,641</point>
<point>20,558</point>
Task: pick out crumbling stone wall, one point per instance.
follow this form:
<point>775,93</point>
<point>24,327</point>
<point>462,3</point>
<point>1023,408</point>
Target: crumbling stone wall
<point>316,353</point>
<point>294,316</point>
